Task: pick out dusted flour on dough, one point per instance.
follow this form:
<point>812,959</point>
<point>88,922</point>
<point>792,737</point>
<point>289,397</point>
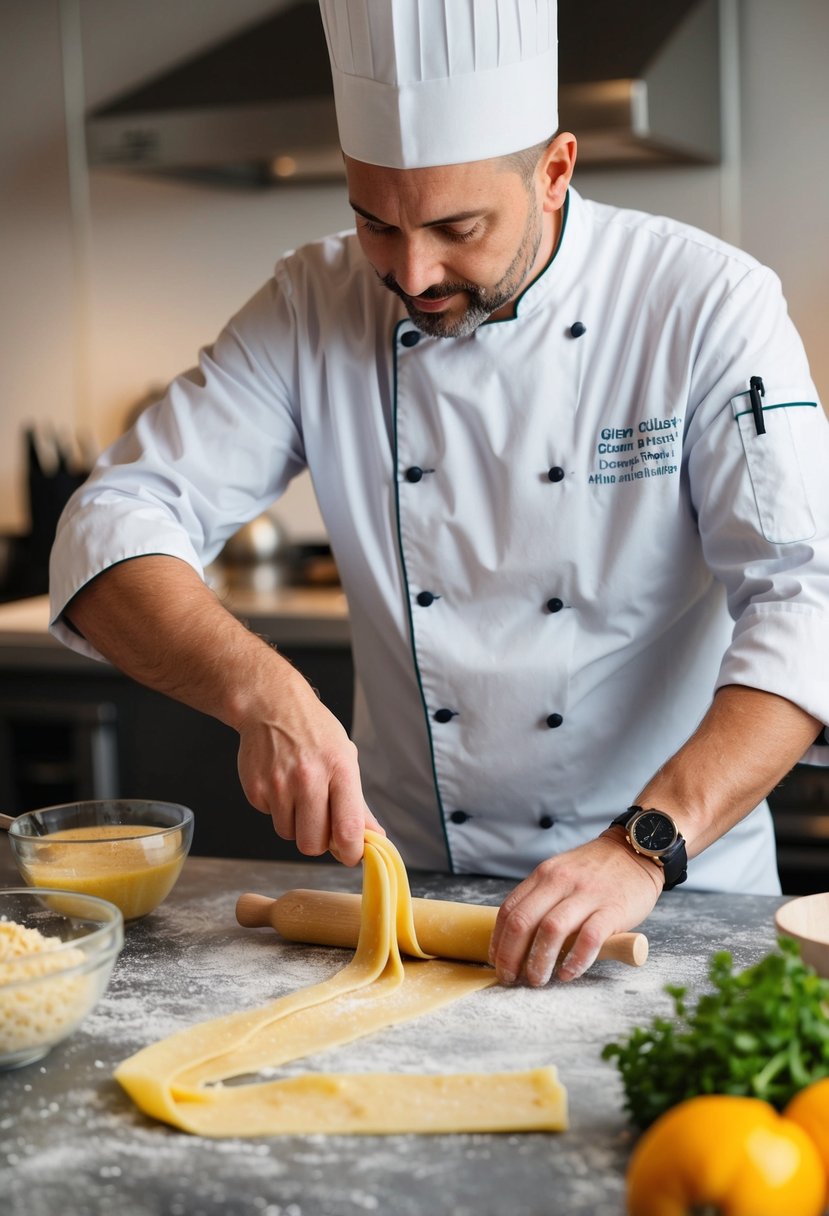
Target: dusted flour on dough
<point>180,1079</point>
<point>33,1014</point>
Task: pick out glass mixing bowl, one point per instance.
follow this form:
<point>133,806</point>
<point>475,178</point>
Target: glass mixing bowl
<point>127,851</point>
<point>57,952</point>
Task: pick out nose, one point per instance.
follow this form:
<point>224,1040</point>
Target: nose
<point>416,266</point>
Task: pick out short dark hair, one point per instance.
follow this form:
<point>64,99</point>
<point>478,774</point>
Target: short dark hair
<point>525,161</point>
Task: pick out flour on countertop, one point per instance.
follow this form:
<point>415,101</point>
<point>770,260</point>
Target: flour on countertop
<point>72,1141</point>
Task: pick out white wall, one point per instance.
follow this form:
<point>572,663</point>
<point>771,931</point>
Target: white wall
<point>104,302</point>
<point>771,196</point>
<point>785,159</point>
<point>36,283</point>
<point>109,296</point>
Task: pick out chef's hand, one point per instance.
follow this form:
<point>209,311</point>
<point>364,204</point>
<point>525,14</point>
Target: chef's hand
<point>298,765</point>
<point>590,892</point>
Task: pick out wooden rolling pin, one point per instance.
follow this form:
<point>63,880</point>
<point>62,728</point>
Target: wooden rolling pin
<point>449,930</point>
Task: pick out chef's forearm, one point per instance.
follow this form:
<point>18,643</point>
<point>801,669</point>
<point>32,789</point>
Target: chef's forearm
<point>744,746</point>
<point>154,619</point>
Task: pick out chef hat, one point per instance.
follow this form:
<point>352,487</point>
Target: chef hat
<point>440,82</point>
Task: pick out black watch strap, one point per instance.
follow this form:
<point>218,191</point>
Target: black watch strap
<point>674,861</point>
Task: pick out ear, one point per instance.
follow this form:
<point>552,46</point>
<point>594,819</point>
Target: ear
<point>555,170</point>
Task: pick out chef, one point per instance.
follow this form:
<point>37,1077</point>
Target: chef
<point>573,470</point>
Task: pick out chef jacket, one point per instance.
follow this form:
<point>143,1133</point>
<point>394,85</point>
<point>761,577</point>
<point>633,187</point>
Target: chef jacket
<point>557,535</point>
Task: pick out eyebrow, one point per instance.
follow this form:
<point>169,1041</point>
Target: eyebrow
<point>446,219</point>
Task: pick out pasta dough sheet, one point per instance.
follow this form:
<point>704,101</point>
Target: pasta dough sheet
<point>179,1080</point>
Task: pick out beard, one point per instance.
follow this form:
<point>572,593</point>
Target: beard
<point>482,302</point>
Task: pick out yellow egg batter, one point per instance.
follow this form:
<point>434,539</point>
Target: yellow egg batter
<point>135,873</point>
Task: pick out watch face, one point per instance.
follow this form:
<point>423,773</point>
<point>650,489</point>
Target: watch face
<point>653,831</point>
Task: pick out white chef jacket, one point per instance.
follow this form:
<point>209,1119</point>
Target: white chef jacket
<point>558,535</point>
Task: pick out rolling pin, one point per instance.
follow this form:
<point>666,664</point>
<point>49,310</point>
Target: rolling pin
<point>448,930</point>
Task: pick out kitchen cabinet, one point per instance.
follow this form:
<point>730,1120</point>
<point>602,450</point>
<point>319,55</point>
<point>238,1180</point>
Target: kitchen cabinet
<point>72,728</point>
<point>800,806</point>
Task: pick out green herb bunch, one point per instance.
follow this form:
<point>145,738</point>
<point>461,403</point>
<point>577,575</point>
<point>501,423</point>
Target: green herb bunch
<point>763,1033</point>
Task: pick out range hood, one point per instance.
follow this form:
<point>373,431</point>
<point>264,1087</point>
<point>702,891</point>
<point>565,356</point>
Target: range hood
<point>639,84</point>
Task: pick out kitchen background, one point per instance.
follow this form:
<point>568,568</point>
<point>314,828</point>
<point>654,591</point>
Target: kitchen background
<point>112,281</point>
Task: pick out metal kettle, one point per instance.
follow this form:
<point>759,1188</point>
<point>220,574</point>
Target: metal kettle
<point>263,539</point>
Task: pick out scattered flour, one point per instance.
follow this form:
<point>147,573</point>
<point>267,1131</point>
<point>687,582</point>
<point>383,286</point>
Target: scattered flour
<point>67,1128</point>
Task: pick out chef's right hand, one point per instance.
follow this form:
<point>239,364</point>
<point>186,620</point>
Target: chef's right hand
<point>298,765</point>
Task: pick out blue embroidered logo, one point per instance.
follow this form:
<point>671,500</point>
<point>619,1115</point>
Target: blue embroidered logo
<point>625,453</point>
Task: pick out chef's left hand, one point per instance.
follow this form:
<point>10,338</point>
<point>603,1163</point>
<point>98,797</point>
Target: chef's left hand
<point>588,893</point>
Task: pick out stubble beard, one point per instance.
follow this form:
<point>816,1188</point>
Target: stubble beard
<point>482,301</point>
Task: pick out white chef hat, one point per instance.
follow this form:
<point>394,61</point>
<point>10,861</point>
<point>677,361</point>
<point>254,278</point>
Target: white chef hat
<point>441,82</point>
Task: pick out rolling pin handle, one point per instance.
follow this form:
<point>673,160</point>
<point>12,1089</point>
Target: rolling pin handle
<point>630,948</point>
<point>255,911</point>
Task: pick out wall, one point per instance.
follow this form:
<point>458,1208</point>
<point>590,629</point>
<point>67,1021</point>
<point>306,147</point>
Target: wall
<point>785,159</point>
<point>36,294</point>
<point>110,291</point>
<point>770,195</point>
<point>112,283</point>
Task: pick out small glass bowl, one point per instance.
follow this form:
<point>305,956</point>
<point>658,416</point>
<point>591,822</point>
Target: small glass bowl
<point>45,995</point>
<point>127,851</point>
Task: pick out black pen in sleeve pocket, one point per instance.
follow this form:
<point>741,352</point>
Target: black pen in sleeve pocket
<point>756,391</point>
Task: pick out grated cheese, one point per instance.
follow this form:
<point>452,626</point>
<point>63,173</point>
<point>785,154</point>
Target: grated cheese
<point>34,1014</point>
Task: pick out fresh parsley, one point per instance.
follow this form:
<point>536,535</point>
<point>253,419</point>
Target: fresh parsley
<point>763,1033</point>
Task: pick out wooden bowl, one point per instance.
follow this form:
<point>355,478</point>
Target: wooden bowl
<point>807,920</point>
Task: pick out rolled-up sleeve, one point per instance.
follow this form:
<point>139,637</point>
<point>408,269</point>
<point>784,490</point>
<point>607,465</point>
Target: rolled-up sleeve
<point>761,494</point>
<point>218,449</point>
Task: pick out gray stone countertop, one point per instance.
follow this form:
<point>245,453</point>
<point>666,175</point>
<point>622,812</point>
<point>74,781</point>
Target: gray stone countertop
<point>72,1142</point>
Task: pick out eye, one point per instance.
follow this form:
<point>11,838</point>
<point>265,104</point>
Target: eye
<point>467,234</point>
<point>373,229</point>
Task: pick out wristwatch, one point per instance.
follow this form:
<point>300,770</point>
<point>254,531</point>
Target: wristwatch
<point>653,834</point>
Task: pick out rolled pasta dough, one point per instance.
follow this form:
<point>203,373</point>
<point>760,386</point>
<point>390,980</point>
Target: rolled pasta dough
<point>178,1080</point>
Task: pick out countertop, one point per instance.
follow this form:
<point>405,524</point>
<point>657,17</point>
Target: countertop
<point>286,615</point>
<point>70,1140</point>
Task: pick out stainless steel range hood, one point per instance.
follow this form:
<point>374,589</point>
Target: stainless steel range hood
<point>639,83</point>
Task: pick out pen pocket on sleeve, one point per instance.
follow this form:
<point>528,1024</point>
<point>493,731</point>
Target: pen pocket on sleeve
<point>773,465</point>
